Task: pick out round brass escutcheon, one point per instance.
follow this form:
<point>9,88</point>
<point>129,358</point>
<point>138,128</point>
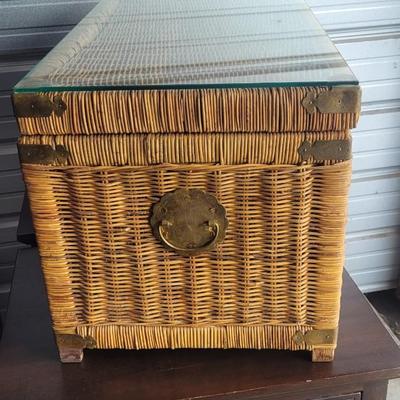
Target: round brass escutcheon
<point>189,221</point>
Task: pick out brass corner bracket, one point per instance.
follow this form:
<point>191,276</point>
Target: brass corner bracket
<point>336,100</point>
<point>74,341</point>
<point>316,337</point>
<point>42,154</point>
<point>33,105</point>
<point>323,150</point>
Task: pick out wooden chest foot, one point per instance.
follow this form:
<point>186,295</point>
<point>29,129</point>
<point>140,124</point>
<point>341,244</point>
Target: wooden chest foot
<point>69,355</point>
<point>323,354</point>
<point>70,347</point>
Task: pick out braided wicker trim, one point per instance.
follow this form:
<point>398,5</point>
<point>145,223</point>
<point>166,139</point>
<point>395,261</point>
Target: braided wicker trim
<point>228,336</point>
<point>187,111</point>
<point>178,148</point>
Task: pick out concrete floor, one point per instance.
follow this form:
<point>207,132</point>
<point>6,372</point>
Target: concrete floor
<point>394,390</point>
<point>387,306</point>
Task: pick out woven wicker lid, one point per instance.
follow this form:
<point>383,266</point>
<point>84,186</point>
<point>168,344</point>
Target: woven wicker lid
<point>237,59</point>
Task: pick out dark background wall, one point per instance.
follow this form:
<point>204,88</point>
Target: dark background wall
<point>28,30</point>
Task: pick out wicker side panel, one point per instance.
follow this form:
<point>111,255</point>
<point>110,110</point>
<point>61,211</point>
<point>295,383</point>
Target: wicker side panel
<point>51,235</point>
<point>187,111</point>
<point>280,263</point>
<point>177,148</point>
<point>138,336</point>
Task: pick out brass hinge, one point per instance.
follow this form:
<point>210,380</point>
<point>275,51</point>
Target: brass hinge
<point>34,105</point>
<point>42,154</point>
<point>337,100</point>
<point>316,337</point>
<point>73,341</point>
<point>322,150</point>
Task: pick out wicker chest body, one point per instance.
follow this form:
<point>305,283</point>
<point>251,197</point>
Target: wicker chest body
<point>187,166</point>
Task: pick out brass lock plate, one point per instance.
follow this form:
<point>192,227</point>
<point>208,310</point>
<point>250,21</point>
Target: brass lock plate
<point>189,221</point>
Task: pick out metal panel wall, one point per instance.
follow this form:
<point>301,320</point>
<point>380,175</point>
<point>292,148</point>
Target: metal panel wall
<point>367,33</point>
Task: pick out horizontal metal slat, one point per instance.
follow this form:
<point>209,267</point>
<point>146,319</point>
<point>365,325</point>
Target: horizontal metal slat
<point>8,252</point>
<point>29,41</point>
<point>372,203</point>
<point>374,240</point>
<point>11,73</point>
<point>6,273</point>
<point>377,68</point>
<point>376,139</point>
<point>314,4</point>
<point>5,289</point>
<point>376,159</point>
<point>378,220</point>
<point>43,13</point>
<point>8,128</point>
<point>8,228</point>
<point>8,156</point>
<point>378,119</point>
<point>6,108</point>
<point>381,278</point>
<point>3,313</point>
<point>11,181</point>
<point>369,49</point>
<point>11,203</point>
<point>384,90</point>
<point>374,182</point>
<point>372,260</point>
<point>357,15</point>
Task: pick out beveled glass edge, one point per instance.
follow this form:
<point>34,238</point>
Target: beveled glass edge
<point>255,85</point>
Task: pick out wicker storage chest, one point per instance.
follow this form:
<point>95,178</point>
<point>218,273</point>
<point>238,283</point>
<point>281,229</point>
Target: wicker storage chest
<point>187,165</point>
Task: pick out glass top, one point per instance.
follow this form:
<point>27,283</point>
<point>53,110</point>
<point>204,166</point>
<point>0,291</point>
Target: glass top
<point>145,44</point>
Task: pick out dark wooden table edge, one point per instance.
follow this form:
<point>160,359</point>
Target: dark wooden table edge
<point>339,384</point>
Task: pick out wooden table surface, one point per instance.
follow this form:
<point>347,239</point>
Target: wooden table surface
<point>30,369</point>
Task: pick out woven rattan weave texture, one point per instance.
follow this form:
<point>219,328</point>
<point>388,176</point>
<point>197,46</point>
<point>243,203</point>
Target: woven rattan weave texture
<point>280,263</point>
<point>238,99</point>
<point>187,111</point>
<point>277,273</point>
<point>220,148</point>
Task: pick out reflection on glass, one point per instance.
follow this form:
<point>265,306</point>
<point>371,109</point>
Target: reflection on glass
<point>193,43</point>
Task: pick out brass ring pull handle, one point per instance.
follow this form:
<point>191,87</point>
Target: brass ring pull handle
<point>204,247</point>
<point>189,221</point>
